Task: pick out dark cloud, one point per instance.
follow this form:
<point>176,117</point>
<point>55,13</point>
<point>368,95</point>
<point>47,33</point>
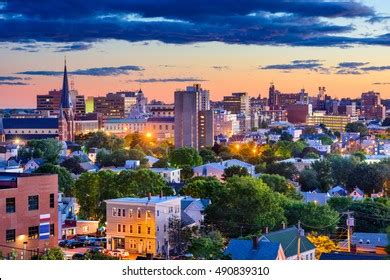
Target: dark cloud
<point>310,64</point>
<point>221,67</point>
<point>378,19</point>
<point>261,22</point>
<point>353,65</point>
<point>381,83</point>
<point>168,80</point>
<point>101,71</point>
<point>13,83</point>
<point>376,68</point>
<point>10,78</point>
<point>74,47</point>
<point>349,72</point>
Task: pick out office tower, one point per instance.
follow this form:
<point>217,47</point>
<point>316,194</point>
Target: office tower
<point>273,96</point>
<point>206,128</point>
<point>79,105</point>
<point>237,103</point>
<point>49,102</point>
<point>371,106</point>
<point>111,106</point>
<point>188,104</point>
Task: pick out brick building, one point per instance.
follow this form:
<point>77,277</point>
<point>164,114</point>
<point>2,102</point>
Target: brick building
<point>28,214</point>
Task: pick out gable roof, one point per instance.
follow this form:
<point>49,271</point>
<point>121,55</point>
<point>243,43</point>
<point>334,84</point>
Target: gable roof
<point>241,249</point>
<point>374,239</point>
<point>288,238</point>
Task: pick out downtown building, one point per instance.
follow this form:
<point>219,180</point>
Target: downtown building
<point>28,214</point>
<point>193,118</point>
<point>371,106</point>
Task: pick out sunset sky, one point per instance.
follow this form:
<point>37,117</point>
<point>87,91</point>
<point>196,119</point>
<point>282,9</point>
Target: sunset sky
<point>227,46</point>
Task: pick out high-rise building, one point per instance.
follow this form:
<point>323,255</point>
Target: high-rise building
<point>334,122</point>
<point>111,106</point>
<point>237,103</point>
<point>273,97</point>
<point>188,104</point>
<point>371,106</point>
<point>49,102</point>
<point>206,129</point>
<point>79,105</point>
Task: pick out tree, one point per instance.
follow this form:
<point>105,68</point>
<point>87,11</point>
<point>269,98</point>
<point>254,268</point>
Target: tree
<point>326,140</point>
<point>116,158</point>
<point>312,155</point>
<point>202,187</point>
<point>285,169</point>
<point>323,244</point>
<point>186,172</point>
<point>72,165</point>
<point>207,247</point>
<point>208,155</point>
<point>53,254</point>
<point>161,163</point>
<point>234,170</point>
<point>48,149</point>
<point>321,218</point>
<point>65,180</point>
<point>87,193</point>
<point>357,127</point>
<point>278,183</point>
<point>285,136</point>
<point>185,156</point>
<point>370,178</point>
<point>308,180</point>
<point>323,169</point>
<point>244,206</point>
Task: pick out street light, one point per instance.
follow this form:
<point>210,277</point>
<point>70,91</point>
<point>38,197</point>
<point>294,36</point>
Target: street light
<point>148,135</point>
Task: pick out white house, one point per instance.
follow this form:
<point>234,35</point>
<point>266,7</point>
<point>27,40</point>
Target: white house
<point>317,144</point>
<point>8,150</point>
<point>192,211</point>
<point>217,169</point>
<point>357,194</point>
<point>132,164</point>
<point>33,164</point>
<point>171,175</point>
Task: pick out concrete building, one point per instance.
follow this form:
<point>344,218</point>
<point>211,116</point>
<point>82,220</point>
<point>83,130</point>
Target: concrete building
<point>334,122</point>
<point>188,104</point>
<point>90,122</point>
<point>141,225</point>
<point>371,106</point>
<point>298,113</point>
<point>161,128</point>
<point>237,103</point>
<point>111,106</point>
<point>28,212</point>
<point>225,123</point>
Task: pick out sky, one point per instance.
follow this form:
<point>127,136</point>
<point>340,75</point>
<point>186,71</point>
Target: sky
<point>225,45</point>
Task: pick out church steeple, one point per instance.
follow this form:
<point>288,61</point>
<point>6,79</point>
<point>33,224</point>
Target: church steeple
<point>65,99</point>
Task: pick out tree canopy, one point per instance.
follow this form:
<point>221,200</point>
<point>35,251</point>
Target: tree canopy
<point>65,180</point>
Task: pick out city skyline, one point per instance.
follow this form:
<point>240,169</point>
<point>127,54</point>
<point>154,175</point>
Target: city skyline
<point>341,46</point>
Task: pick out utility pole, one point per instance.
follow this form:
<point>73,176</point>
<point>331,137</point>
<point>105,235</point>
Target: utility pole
<point>350,225</point>
<point>300,231</point>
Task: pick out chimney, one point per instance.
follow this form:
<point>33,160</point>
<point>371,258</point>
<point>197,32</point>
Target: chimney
<point>255,241</point>
<point>149,196</point>
<point>161,194</point>
<point>266,229</point>
<point>284,225</point>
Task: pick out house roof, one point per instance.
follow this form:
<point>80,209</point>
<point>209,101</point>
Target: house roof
<point>186,220</point>
<point>374,239</point>
<point>241,249</point>
<point>338,190</point>
<point>351,256</point>
<point>30,123</point>
<point>320,198</point>
<point>288,238</point>
<point>88,166</point>
<point>359,191</point>
<point>144,200</point>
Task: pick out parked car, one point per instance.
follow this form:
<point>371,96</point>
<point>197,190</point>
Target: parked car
<point>62,243</point>
<point>78,256</point>
<point>100,241</point>
<point>90,241</point>
<point>74,244</point>
<point>119,253</point>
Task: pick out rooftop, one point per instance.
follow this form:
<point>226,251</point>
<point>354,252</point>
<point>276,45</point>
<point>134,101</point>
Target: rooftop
<point>240,249</point>
<point>143,200</point>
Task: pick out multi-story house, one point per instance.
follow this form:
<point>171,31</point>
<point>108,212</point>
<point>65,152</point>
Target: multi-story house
<point>142,225</point>
<point>28,214</point>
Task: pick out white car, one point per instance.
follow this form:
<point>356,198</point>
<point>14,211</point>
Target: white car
<point>119,253</point>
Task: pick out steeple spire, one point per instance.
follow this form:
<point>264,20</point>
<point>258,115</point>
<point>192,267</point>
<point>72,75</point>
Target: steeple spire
<point>65,99</point>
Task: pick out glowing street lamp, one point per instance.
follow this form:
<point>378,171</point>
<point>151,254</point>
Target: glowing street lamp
<point>148,135</point>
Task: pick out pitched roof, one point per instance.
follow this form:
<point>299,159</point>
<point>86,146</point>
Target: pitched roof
<point>351,256</point>
<point>186,220</point>
<point>241,249</point>
<point>373,239</point>
<point>32,123</point>
<point>288,238</point>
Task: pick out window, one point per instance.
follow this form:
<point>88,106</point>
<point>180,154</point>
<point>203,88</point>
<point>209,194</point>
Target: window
<point>149,230</point>
<point>138,213</point>
<point>33,232</point>
<point>123,213</point>
<point>123,228</point>
<point>165,228</point>
<point>52,200</point>
<point>119,212</point>
<point>52,232</point>
<point>170,209</point>
<point>33,202</point>
<point>10,235</point>
<point>131,228</point>
<point>114,212</point>
<point>139,229</point>
<point>119,228</point>
<point>148,214</point>
<point>158,213</point>
<point>130,213</point>
<point>158,228</point>
<point>10,205</point>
